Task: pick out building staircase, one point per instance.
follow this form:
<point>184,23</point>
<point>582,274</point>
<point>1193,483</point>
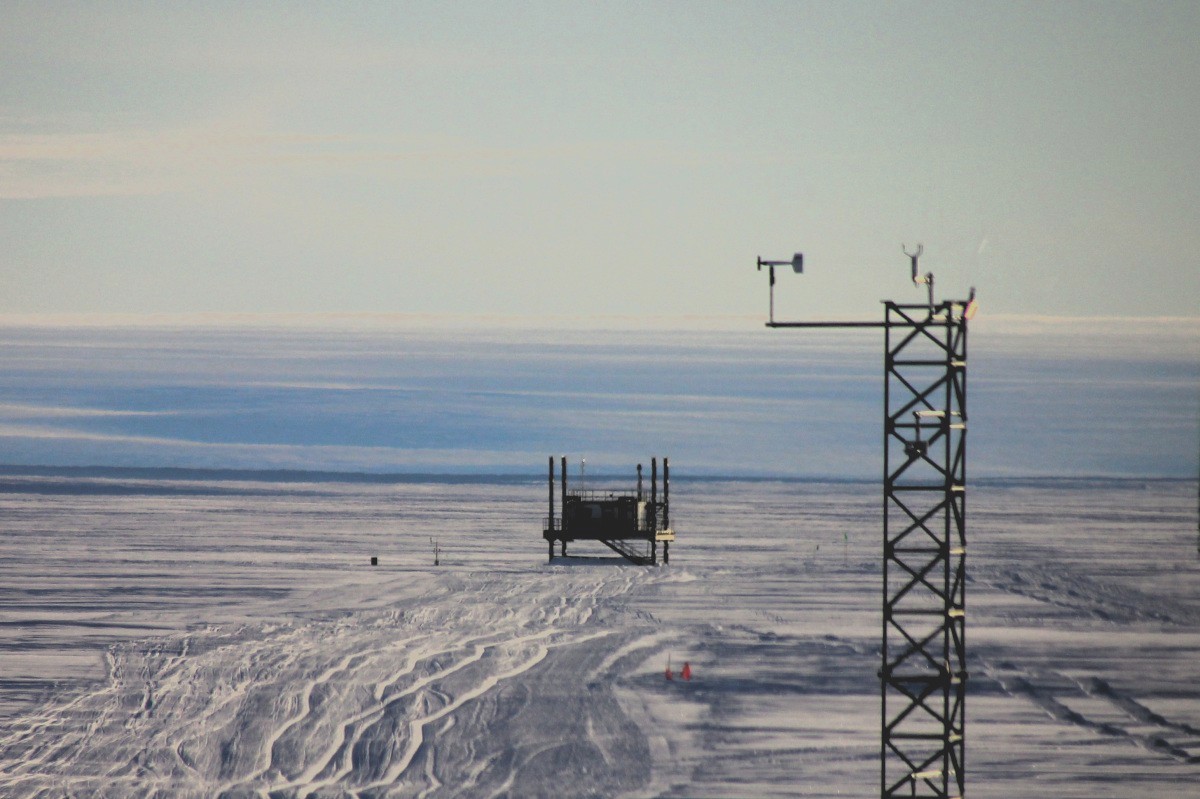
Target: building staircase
<point>625,549</point>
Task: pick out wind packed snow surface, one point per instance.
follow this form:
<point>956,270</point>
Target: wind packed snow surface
<point>175,638</point>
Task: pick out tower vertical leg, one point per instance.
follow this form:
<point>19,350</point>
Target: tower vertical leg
<point>550,522</point>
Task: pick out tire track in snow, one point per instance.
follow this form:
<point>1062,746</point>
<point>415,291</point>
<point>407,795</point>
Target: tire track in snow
<point>336,755</point>
<point>1063,698</point>
<point>293,707</point>
<point>417,726</point>
<point>356,727</point>
<point>306,694</point>
<point>1106,601</point>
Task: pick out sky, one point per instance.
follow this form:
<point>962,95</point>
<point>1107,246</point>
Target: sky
<point>630,159</point>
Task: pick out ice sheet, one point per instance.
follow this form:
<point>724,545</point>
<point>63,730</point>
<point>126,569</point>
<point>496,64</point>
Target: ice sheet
<point>230,638</point>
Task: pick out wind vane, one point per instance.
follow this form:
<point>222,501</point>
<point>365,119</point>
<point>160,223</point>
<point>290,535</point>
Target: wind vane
<point>797,265</point>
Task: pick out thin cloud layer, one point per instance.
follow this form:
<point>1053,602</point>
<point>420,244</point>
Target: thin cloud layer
<point>468,400</point>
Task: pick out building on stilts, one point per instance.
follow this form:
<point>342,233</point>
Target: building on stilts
<point>632,523</point>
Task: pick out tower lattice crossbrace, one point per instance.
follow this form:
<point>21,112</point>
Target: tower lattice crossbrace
<point>923,675</point>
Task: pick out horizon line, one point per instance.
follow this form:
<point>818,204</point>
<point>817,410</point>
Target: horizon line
<point>366,320</point>
<point>286,475</point>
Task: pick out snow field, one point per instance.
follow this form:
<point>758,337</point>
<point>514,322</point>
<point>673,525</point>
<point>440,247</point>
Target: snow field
<point>231,640</point>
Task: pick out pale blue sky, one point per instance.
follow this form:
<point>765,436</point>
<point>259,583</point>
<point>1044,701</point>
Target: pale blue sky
<point>615,158</point>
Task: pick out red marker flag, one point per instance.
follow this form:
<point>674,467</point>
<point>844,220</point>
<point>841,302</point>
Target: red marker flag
<point>687,671</point>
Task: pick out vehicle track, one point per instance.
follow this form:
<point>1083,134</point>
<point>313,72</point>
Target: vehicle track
<point>1094,704</point>
<point>358,705</point>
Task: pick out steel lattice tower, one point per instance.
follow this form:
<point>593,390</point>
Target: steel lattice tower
<point>923,674</point>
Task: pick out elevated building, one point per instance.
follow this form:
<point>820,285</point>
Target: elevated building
<point>631,523</point>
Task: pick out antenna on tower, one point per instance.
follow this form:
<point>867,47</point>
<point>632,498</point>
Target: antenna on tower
<point>917,278</point>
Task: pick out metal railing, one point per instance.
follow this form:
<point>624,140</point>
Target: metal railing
<point>599,494</point>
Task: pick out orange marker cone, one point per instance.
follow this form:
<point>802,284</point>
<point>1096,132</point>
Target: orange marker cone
<point>687,671</point>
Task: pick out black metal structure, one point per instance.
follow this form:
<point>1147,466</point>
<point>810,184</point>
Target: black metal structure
<point>627,522</point>
<point>923,673</point>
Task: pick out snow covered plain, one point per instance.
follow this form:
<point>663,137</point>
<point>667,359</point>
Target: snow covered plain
<point>228,638</point>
